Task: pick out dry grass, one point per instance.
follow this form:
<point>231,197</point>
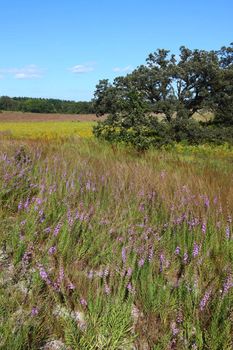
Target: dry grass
<point>115,207</point>
<point>43,117</point>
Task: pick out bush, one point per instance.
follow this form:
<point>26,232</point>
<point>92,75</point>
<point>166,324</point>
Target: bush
<point>152,133</point>
<point>148,133</point>
<point>187,130</point>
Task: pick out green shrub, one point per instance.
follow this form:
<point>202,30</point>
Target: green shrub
<point>152,133</point>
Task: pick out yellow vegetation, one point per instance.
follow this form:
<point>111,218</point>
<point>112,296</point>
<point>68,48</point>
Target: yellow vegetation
<point>45,130</point>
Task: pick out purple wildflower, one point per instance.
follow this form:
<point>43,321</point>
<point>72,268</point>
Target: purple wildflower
<point>228,232</point>
<point>174,329</point>
<point>43,274</point>
<point>195,249</point>
<point>42,216</point>
<point>52,250</point>
<point>83,302</point>
<point>61,276</point>
<point>141,193</point>
<point>129,272</point>
<point>206,202</point>
<point>47,229</point>
<point>141,207</point>
<point>179,317</point>
<point>20,206</point>
<point>203,227</point>
<point>90,274</point>
<point>26,204</point>
<point>185,258</point>
<point>71,286</point>
<point>27,257</point>
<point>34,311</point>
<point>123,255</point>
<point>57,229</point>
<point>70,219</point>
<point>162,260</point>
<point>151,254</point>
<point>38,201</point>
<point>51,189</point>
<point>227,285</point>
<point>194,222</point>
<point>167,263</point>
<point>141,262</point>
<point>100,273</point>
<point>205,299</point>
<point>107,289</point>
<point>88,185</point>
<point>177,250</point>
<point>130,288</point>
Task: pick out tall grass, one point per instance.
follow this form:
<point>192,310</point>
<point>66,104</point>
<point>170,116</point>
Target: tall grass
<point>104,248</point>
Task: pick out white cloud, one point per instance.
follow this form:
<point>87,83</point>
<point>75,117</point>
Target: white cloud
<point>82,68</point>
<point>122,69</point>
<point>28,72</point>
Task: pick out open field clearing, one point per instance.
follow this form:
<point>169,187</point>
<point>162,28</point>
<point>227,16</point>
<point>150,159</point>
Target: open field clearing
<point>45,130</point>
<point>56,117</point>
<point>44,117</point>
<point>105,248</point>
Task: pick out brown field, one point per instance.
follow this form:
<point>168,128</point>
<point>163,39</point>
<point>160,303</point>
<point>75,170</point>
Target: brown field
<point>43,117</point>
<point>56,117</point>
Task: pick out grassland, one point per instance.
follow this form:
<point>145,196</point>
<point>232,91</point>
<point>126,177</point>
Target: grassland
<point>34,126</point>
<point>105,248</point>
<point>45,130</point>
<point>19,117</point>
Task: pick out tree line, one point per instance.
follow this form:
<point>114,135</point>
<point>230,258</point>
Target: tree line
<point>45,105</point>
<point>176,87</point>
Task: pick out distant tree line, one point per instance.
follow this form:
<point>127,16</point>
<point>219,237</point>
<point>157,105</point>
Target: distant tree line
<point>44,105</point>
<point>197,81</point>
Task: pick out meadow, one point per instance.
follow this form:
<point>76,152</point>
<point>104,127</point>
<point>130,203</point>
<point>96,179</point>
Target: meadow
<point>45,130</point>
<point>102,247</point>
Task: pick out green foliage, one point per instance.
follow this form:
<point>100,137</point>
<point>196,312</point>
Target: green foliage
<point>43,105</point>
<point>224,90</point>
<point>175,89</point>
<point>152,133</point>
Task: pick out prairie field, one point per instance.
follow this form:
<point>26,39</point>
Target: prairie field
<point>102,247</point>
<point>32,126</point>
<point>19,117</point>
<point>45,130</point>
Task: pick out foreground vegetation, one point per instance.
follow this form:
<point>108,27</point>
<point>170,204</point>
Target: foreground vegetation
<point>105,248</point>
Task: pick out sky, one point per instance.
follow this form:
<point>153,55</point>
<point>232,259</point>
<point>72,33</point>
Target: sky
<point>62,48</point>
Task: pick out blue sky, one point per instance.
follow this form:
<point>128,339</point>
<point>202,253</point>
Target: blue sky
<point>60,49</point>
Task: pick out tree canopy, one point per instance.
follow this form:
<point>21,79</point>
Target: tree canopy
<point>44,105</point>
<point>175,87</point>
